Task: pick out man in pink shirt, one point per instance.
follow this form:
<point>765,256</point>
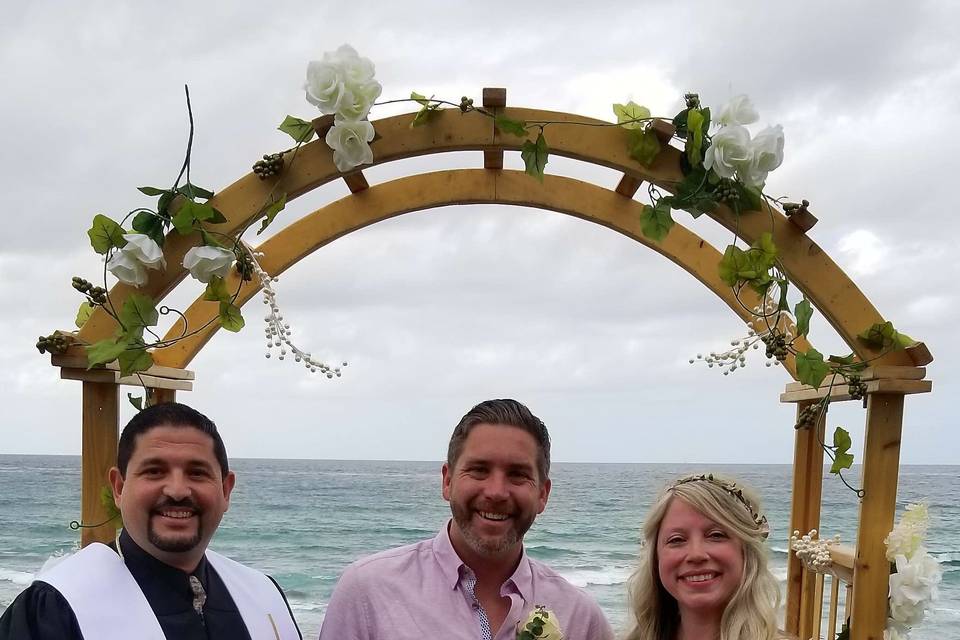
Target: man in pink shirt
<point>473,581</point>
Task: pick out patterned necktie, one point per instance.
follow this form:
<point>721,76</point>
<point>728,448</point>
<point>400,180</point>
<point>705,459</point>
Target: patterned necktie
<point>199,595</point>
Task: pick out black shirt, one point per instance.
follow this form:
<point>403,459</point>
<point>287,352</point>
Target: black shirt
<point>41,613</point>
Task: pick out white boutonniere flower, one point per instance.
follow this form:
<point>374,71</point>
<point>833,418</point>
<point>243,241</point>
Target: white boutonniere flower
<point>542,624</point>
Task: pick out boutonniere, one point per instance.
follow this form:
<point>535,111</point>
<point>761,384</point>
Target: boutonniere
<point>541,625</point>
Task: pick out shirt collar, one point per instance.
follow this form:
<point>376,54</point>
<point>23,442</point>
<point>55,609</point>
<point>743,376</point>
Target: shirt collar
<point>451,564</point>
<point>150,572</point>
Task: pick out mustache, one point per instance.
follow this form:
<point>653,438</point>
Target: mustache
<point>186,503</point>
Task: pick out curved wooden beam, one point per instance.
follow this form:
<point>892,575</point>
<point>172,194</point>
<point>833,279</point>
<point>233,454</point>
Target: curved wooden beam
<point>816,275</point>
<point>456,187</point>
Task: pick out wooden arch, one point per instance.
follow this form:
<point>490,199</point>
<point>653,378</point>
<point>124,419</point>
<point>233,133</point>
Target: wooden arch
<point>892,375</point>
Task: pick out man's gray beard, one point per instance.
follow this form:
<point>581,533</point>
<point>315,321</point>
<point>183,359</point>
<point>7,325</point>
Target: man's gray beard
<point>485,546</point>
<point>174,546</point>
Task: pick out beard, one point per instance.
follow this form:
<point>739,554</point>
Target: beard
<point>176,544</point>
<point>486,546</point>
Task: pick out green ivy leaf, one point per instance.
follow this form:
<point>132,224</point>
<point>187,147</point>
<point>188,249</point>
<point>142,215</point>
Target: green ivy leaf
<point>105,351</point>
<point>217,217</point>
<point>736,265</point>
<point>765,251</point>
<point>136,401</point>
<point>750,197</point>
<point>850,359</point>
<point>230,318</point>
<point>680,123</point>
<point>655,222</point>
<point>694,144</point>
<point>163,204</point>
<point>534,156</point>
<point>133,360</point>
<point>903,340</point>
<point>422,99</point>
<point>105,234</point>
<point>184,219</point>
<point>110,506</point>
<point>192,191</point>
<point>803,312</point>
<point>631,115</point>
<point>271,211</point>
<point>841,445</point>
<point>139,311</point>
<point>83,314</point>
<point>151,191</point>
<point>643,146</point>
<point>514,127</point>
<point>216,290</point>
<point>811,369</point>
<point>784,304</point>
<point>299,130</point>
<point>879,335</point>
<point>150,225</point>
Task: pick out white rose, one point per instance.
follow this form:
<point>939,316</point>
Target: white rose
<point>913,586</point>
<point>350,141</point>
<point>342,83</point>
<point>127,269</point>
<point>205,262</point>
<point>357,100</point>
<point>729,151</point>
<point>738,111</point>
<point>895,631</point>
<point>767,154</point>
<point>143,249</point>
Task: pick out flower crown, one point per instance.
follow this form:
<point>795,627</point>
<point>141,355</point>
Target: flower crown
<point>759,519</point>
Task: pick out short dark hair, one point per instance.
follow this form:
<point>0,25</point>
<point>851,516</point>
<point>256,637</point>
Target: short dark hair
<point>507,412</point>
<point>172,414</point>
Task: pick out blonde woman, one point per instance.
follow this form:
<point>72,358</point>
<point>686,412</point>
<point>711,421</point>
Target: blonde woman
<point>703,570</point>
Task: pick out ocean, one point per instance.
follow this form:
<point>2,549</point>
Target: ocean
<point>303,521</point>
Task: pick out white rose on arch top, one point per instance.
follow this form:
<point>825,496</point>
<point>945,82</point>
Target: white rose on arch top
<point>130,263</point>
<point>350,141</point>
<point>205,262</point>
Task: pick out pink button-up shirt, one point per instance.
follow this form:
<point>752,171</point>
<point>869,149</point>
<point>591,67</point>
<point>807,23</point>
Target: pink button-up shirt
<point>418,592</point>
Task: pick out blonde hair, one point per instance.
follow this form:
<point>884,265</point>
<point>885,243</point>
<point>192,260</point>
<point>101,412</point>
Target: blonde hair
<point>751,612</point>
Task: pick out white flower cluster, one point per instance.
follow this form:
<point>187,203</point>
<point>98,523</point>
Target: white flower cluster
<point>342,84</point>
<point>130,263</point>
<point>813,552</point>
<point>277,332</point>
<point>913,587</point>
<point>732,150</point>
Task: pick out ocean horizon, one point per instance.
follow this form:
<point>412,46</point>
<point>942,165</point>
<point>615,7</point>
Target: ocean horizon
<point>303,520</point>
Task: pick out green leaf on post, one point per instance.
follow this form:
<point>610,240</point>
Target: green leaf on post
<point>134,360</point>
<point>765,251</point>
<point>811,369</point>
<point>534,156</point>
<point>694,144</point>
<point>184,219</point>
<point>841,445</point>
<point>138,312</point>
<point>271,211</point>
<point>110,506</point>
<point>736,265</point>
<point>230,318</point>
<point>136,401</point>
<point>803,312</point>
<point>422,99</point>
<point>105,234</point>
<point>879,335</point>
<point>152,191</point>
<point>511,126</point>
<point>656,222</point>
<point>299,130</point>
<point>643,146</point>
<point>784,304</point>
<point>750,197</point>
<point>83,314</point>
<point>192,191</point>
<point>216,290</point>
<point>631,115</point>
<point>850,359</point>
<point>104,351</point>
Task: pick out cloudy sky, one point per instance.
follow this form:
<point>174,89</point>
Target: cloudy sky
<point>438,310</point>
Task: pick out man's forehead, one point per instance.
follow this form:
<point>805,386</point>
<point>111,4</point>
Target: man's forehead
<point>502,442</point>
<point>172,439</point>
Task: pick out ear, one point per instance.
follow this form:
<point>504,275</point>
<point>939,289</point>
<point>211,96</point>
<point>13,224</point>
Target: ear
<point>544,494</point>
<point>228,483</point>
<point>116,483</point>
<point>445,483</point>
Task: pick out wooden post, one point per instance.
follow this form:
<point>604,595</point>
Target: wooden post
<point>804,515</point>
<point>881,464</point>
<point>101,426</point>
<point>157,396</point>
<point>494,99</point>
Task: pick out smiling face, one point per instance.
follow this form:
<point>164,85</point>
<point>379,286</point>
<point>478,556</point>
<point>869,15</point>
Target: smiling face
<point>494,491</point>
<point>173,495</point>
<point>699,562</point>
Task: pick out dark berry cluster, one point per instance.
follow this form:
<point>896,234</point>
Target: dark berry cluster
<point>856,388</point>
<point>245,266</point>
<point>466,104</point>
<point>271,165</point>
<point>692,100</point>
<point>97,295</point>
<point>727,191</point>
<point>53,343</point>
<point>776,346</point>
<point>791,208</point>
<point>807,417</point>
